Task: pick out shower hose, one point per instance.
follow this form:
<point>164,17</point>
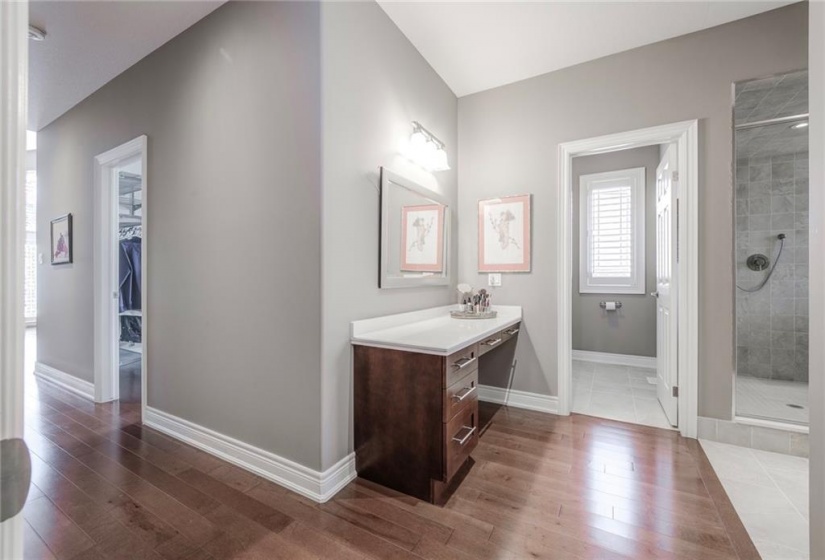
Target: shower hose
<point>761,285</point>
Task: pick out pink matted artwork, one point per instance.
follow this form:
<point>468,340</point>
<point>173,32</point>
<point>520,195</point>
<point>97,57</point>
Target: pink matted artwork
<point>422,238</point>
<point>504,234</point>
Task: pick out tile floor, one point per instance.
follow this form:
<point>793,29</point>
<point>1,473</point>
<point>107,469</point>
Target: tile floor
<point>617,392</point>
<point>769,398</point>
<point>770,493</point>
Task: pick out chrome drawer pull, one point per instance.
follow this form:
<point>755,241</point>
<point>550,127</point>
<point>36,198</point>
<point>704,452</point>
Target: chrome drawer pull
<point>463,362</point>
<point>462,441</point>
<point>511,332</point>
<point>466,392</point>
<point>491,342</point>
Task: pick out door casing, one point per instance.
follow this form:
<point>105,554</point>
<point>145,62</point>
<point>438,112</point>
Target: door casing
<point>14,64</point>
<point>106,355</point>
<point>685,135</point>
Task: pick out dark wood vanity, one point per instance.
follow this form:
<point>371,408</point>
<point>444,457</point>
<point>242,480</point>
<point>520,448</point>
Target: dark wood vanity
<point>416,414</point>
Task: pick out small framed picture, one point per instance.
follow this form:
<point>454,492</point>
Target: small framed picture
<point>422,238</point>
<point>61,230</point>
<point>504,234</point>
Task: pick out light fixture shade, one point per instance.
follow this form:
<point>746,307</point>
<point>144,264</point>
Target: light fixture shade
<point>428,155</point>
<point>417,141</point>
<point>426,150</point>
<point>440,161</point>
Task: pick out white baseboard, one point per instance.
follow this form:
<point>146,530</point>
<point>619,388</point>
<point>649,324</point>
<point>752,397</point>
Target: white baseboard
<point>315,485</point>
<point>616,359</point>
<point>65,381</point>
<point>519,399</point>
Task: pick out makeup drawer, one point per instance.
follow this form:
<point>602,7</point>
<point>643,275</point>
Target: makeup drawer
<point>460,437</point>
<point>510,332</point>
<point>460,364</point>
<point>459,394</point>
<point>490,343</point>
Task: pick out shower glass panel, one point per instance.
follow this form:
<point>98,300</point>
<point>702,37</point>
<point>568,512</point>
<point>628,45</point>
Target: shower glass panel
<point>771,248</point>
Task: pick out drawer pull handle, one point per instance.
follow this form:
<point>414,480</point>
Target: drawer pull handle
<point>466,392</point>
<point>463,362</point>
<point>491,342</point>
<point>511,332</point>
<point>466,438</point>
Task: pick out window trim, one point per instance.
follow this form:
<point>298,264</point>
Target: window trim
<point>636,283</point>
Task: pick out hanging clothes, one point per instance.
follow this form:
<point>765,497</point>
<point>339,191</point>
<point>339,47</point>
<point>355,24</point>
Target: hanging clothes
<point>129,274</point>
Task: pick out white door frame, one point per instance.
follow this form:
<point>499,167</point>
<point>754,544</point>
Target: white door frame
<point>14,53</point>
<point>686,136</point>
<point>107,364</point>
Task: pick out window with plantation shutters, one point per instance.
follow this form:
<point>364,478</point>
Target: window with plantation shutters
<point>612,257</point>
<point>30,270</point>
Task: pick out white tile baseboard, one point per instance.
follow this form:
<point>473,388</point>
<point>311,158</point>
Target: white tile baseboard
<point>64,380</point>
<point>789,441</point>
<point>315,485</point>
<point>519,399</point>
<point>615,359</point>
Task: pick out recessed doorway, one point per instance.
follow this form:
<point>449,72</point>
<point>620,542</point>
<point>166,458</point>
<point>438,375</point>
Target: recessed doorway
<point>120,274</point>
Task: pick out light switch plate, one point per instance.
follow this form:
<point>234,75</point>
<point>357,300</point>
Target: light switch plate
<point>40,258</point>
<point>494,279</point>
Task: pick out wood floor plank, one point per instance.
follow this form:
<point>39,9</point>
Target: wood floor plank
<point>542,486</point>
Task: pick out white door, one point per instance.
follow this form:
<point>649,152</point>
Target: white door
<point>667,177</point>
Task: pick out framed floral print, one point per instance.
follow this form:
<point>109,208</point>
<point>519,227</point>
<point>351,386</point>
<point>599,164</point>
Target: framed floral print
<point>504,234</point>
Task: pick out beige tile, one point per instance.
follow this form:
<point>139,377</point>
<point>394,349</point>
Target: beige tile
<point>779,461</point>
<point>768,439</point>
<point>707,428</point>
<point>799,445</point>
<point>733,433</point>
<point>789,530</point>
<point>754,498</point>
<point>772,551</point>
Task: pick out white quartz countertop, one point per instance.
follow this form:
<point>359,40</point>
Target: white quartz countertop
<point>431,331</point>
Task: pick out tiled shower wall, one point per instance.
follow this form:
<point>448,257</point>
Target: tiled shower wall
<point>772,324</point>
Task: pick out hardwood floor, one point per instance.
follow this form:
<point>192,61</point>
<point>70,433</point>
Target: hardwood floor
<point>542,486</point>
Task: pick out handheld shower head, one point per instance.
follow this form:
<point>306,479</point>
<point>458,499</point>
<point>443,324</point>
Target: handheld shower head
<point>781,236</point>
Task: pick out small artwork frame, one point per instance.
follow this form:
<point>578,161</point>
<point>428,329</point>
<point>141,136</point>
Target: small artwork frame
<point>422,238</point>
<point>61,237</point>
<point>504,241</point>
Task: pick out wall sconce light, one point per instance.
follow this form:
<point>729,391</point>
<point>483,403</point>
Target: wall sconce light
<point>426,150</point>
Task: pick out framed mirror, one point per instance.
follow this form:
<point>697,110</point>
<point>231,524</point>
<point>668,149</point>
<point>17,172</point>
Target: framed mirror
<point>415,234</point>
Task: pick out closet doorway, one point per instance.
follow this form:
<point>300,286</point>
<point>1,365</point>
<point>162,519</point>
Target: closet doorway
<point>120,274</point>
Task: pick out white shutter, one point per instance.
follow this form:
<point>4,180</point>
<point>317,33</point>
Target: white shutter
<point>612,232</point>
<point>30,270</point>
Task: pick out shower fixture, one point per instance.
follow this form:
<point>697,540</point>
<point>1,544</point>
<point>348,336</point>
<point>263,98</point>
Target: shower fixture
<point>758,262</point>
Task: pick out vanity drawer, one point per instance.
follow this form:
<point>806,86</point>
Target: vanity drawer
<point>459,394</point>
<point>490,343</point>
<point>460,437</point>
<point>460,364</point>
<point>510,332</point>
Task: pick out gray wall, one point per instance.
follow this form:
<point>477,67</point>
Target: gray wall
<point>231,110</point>
<point>375,84</point>
<point>509,140</point>
<point>632,329</point>
<point>816,390</point>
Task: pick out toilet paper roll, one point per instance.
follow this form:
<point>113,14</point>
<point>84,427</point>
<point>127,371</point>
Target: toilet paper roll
<point>610,306</point>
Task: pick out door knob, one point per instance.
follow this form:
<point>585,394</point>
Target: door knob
<point>654,294</point>
<point>15,477</point>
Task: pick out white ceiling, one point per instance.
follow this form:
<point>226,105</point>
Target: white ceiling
<point>89,43</point>
<point>478,45</point>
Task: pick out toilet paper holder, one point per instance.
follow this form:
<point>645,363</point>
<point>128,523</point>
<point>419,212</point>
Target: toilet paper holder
<point>603,304</point>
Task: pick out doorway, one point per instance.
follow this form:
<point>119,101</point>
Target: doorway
<point>120,274</point>
<point>672,365</point>
<point>621,297</point>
